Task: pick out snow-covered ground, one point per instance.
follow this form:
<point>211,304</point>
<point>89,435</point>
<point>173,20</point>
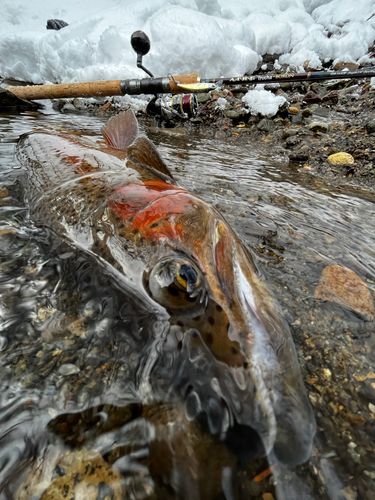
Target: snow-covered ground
<point>213,37</point>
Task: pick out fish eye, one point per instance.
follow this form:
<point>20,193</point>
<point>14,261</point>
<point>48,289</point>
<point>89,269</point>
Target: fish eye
<point>178,284</point>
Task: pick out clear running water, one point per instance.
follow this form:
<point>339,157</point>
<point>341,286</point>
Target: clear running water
<point>70,344</point>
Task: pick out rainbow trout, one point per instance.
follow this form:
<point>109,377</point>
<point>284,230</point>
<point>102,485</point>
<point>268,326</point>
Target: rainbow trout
<point>237,372</point>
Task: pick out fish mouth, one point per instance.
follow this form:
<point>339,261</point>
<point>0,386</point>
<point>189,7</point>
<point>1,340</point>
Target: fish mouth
<point>275,371</point>
<point>227,402</point>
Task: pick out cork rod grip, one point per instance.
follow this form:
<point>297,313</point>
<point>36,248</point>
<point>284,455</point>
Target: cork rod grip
<point>62,90</point>
<point>189,78</point>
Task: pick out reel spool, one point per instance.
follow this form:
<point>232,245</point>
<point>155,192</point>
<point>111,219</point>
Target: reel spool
<point>185,104</point>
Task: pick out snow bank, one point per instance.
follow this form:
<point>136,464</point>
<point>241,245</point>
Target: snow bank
<point>213,37</point>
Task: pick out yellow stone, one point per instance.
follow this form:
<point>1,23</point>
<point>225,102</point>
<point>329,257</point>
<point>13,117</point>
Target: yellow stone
<point>340,159</point>
<point>267,496</point>
<point>293,110</point>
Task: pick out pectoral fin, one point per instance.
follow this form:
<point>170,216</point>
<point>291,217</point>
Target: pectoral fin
<point>143,152</point>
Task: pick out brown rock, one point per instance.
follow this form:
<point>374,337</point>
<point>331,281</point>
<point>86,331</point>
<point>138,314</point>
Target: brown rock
<point>345,65</point>
<point>106,106</point>
<point>311,97</point>
<point>340,284</point>
<point>355,419</point>
<point>306,112</point>
<point>308,67</point>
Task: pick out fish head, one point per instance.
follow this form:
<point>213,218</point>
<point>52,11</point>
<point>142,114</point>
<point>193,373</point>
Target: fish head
<point>236,367</point>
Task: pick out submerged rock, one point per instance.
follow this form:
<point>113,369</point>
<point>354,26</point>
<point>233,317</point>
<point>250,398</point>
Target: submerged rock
<point>73,474</point>
<point>342,285</point>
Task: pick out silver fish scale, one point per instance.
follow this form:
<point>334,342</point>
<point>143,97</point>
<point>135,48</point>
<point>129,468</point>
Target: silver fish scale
<point>54,163</point>
<point>68,184</point>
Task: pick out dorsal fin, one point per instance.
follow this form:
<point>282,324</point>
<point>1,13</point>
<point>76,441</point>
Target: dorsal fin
<point>121,130</point>
<point>143,152</point>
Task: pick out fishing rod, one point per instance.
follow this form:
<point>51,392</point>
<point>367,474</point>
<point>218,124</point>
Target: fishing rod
<point>179,84</point>
<point>294,77</point>
<point>172,85</point>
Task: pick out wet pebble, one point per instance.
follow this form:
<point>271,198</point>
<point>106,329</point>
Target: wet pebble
<point>3,343</point>
<point>341,285</point>
<point>234,114</point>
<point>320,111</point>
<point>68,369</point>
<point>203,98</point>
<point>340,158</point>
<point>292,141</point>
<point>306,113</point>
<point>367,390</point>
<point>266,125</point>
<point>300,154</point>
<point>370,124</point>
<point>267,496</point>
<point>318,127</point>
<point>311,97</point>
<point>289,132</point>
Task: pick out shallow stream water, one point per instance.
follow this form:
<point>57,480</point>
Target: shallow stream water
<point>67,368</point>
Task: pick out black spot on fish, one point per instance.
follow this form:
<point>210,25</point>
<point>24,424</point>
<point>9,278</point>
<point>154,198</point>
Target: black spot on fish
<point>245,364</point>
<point>173,290</point>
<point>211,320</point>
<point>219,308</point>
<point>209,338</point>
<point>136,231</point>
<point>197,318</point>
<point>121,226</point>
<point>155,224</point>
